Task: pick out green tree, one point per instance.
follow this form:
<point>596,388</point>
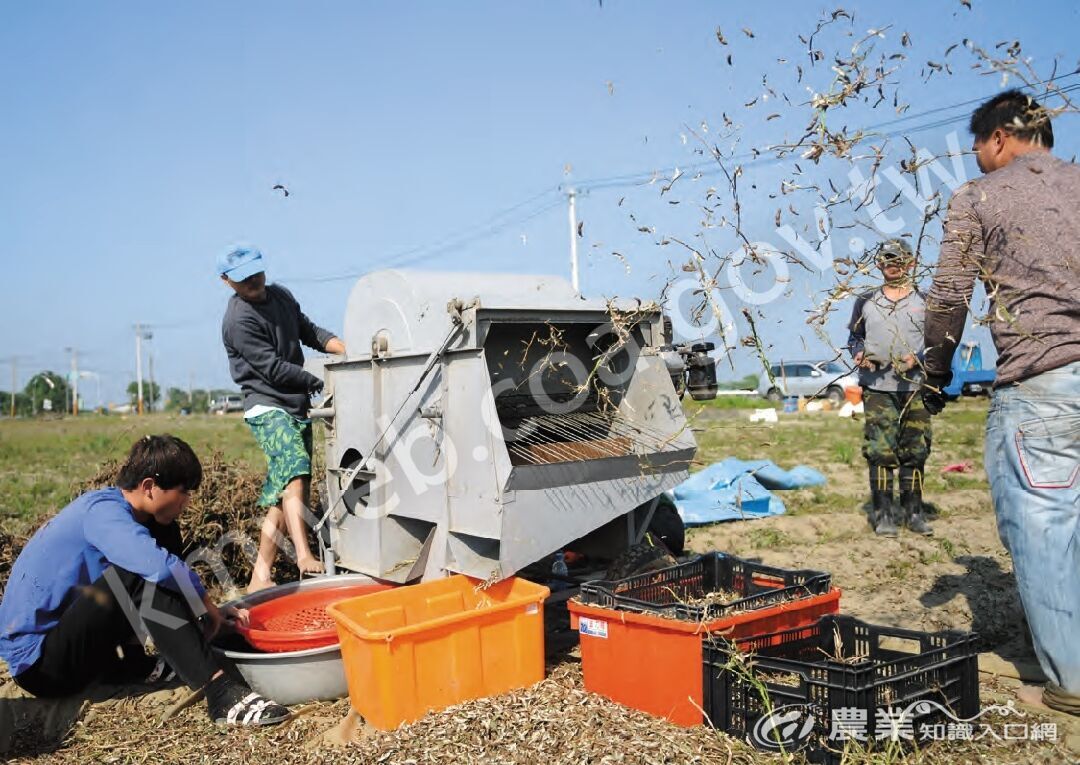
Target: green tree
<point>22,404</point>
<point>197,403</point>
<point>200,401</point>
<point>175,399</point>
<point>47,386</point>
<point>151,394</point>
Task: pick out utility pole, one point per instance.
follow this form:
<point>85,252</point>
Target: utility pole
<point>14,383</point>
<point>74,379</point>
<point>151,407</point>
<point>190,387</point>
<point>571,195</point>
<point>141,333</point>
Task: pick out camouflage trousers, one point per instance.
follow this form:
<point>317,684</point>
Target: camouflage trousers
<point>896,429</point>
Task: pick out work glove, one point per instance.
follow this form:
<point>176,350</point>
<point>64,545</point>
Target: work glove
<point>933,392</point>
<point>315,388</point>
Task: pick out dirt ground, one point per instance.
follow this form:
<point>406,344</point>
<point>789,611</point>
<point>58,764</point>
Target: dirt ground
<point>958,579</point>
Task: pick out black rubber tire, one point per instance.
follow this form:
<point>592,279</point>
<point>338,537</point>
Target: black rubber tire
<point>649,555</point>
<point>773,395</point>
<point>835,396</point>
<point>667,524</point>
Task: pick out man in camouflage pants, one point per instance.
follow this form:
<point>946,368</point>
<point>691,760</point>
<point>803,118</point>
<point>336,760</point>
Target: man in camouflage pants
<point>885,341</point>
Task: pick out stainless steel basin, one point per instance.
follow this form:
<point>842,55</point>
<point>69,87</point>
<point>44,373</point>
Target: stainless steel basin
<point>294,677</point>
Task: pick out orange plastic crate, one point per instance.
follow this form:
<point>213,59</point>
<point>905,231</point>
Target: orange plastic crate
<point>413,649</point>
<point>653,663</point>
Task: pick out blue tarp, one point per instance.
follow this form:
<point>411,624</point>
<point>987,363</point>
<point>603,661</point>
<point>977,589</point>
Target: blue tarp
<point>736,489</point>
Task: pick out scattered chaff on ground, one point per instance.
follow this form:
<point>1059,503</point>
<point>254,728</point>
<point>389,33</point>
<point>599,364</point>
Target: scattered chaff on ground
<point>554,721</point>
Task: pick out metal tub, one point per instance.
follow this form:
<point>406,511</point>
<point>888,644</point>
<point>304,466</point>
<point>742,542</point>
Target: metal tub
<point>294,677</point>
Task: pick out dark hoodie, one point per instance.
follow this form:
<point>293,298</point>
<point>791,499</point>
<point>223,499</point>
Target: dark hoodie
<point>263,341</point>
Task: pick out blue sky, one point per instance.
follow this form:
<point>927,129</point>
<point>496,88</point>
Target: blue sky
<point>139,140</point>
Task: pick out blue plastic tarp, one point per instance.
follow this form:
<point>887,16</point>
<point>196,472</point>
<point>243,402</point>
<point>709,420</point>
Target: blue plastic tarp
<point>738,489</point>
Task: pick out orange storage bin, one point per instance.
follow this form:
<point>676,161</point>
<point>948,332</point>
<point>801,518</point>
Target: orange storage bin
<point>853,394</point>
<point>413,649</point>
<point>653,663</point>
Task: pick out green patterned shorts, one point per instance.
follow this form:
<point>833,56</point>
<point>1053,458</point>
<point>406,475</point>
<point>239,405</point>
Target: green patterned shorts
<point>286,442</point>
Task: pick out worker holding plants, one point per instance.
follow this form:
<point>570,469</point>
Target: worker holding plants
<point>263,330</point>
<point>1018,230</point>
<point>103,574</point>
<point>886,343</point>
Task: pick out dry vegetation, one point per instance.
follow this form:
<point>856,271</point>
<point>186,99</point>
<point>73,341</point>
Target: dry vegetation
<point>557,720</point>
<point>961,578</point>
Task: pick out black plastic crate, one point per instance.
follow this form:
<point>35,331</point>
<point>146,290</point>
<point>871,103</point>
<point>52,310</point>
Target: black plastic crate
<point>895,680</point>
<point>666,591</point>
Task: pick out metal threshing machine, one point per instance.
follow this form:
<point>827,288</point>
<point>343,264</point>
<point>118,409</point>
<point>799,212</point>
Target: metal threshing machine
<point>484,421</point>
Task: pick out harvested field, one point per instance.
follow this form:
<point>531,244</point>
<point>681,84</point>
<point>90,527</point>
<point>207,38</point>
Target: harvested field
<point>961,579</point>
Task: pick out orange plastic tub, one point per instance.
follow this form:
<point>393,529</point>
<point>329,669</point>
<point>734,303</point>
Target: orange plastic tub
<point>653,663</point>
<point>413,649</point>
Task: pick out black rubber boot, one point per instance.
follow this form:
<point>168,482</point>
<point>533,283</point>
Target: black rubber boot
<point>911,500</point>
<point>881,494</point>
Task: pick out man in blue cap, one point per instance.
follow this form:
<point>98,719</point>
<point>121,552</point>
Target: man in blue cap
<point>262,330</point>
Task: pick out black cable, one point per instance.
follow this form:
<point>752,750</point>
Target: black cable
<point>761,158</point>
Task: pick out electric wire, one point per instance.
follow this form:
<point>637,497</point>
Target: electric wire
<point>761,158</point>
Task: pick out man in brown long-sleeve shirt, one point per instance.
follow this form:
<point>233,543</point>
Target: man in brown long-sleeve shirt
<point>1018,230</point>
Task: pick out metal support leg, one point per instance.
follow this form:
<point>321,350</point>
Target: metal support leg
<point>635,535</point>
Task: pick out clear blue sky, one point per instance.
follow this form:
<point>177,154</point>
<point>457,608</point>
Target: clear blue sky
<point>139,140</point>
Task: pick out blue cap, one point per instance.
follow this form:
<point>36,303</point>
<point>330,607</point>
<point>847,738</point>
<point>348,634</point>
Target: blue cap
<point>239,262</point>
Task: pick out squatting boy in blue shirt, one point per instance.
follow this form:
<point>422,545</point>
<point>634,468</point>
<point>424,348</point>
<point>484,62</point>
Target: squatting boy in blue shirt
<point>104,570</point>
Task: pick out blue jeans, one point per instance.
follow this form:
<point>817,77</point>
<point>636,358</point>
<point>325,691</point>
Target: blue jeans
<point>1033,462</point>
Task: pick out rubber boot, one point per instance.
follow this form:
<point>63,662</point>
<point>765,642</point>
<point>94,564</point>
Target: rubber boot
<point>881,494</point>
<point>911,500</point>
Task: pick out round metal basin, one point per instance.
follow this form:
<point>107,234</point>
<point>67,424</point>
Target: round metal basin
<point>294,677</point>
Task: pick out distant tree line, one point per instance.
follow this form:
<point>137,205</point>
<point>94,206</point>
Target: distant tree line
<point>45,386</point>
<point>198,402</point>
<point>49,393</point>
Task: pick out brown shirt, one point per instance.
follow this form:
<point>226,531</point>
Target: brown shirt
<point>1018,230</point>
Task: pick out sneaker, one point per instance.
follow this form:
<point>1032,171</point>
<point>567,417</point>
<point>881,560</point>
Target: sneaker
<point>233,703</point>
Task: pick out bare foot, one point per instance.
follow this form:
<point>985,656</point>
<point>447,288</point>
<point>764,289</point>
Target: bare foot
<point>309,565</point>
<point>1032,695</point>
<point>260,584</point>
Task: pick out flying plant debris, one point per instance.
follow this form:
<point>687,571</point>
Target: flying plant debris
<point>847,70</point>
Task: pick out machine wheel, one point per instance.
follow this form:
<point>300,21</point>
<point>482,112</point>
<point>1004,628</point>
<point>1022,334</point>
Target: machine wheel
<point>773,395</point>
<point>649,555</point>
<point>667,524</point>
<point>835,396</point>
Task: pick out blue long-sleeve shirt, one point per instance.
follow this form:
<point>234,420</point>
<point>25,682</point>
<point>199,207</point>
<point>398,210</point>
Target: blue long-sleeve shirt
<point>94,532</point>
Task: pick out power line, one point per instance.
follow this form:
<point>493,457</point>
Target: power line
<point>761,158</point>
<point>469,234</point>
<point>969,102</point>
<point>705,168</point>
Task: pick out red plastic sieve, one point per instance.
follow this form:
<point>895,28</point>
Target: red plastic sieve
<point>299,621</point>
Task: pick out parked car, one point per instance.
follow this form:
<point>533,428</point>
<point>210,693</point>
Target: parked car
<point>808,378</point>
<point>233,402</point>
